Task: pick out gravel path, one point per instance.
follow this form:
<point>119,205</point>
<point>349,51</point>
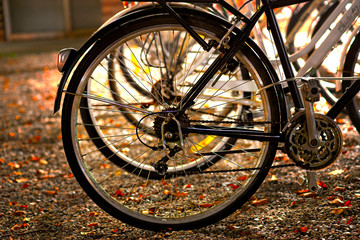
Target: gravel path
<point>40,199</point>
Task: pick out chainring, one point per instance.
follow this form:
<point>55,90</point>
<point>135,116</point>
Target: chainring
<point>302,153</point>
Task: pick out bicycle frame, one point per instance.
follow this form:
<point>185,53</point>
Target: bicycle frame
<point>267,8</point>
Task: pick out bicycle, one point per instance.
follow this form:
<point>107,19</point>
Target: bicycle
<point>207,131</point>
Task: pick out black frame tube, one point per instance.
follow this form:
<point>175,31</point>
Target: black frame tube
<point>234,133</point>
<point>349,94</point>
<point>284,58</point>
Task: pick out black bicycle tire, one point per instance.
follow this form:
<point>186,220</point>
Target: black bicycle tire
<point>349,71</point>
<point>210,216</point>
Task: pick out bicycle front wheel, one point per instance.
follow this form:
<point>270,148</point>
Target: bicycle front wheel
<point>146,170</point>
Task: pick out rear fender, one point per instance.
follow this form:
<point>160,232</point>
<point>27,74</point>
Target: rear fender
<point>123,17</point>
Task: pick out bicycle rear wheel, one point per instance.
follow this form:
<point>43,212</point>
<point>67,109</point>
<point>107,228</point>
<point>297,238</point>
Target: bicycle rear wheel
<point>204,177</point>
<point>352,69</point>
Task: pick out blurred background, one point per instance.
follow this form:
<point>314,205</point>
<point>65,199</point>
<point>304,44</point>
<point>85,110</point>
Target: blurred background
<point>33,25</point>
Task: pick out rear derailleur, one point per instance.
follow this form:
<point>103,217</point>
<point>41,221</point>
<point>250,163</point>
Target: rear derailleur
<point>167,126</point>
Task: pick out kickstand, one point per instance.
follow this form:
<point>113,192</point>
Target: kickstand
<point>311,182</point>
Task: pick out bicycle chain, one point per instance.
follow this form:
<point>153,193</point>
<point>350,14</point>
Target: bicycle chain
<point>230,122</point>
<point>237,122</point>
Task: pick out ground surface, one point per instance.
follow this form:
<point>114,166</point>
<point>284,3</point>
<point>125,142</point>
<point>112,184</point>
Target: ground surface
<point>40,198</point>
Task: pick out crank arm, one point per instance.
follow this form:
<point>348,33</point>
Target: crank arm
<point>310,93</point>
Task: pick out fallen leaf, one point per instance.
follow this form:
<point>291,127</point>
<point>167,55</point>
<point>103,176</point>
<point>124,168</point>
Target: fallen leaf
<point>43,162</point>
<point>303,229</point>
<point>337,210</point>
<point>105,166</point>
<point>308,195</point>
<point>336,172</point>
<point>294,203</point>
<point>231,227</point>
<point>152,211</point>
<point>15,227</point>
<point>340,121</point>
<point>180,194</point>
<point>201,197</point>
<point>206,205</point>
<point>233,186</point>
<point>14,165</point>
<point>348,203</point>
<point>273,178</point>
<point>40,172</point>
<point>349,221</point>
<point>94,224</point>
<point>6,84</point>
<point>26,185</point>
<point>50,192</point>
<point>46,176</point>
<point>322,185</point>
<point>242,178</point>
<point>13,203</point>
<point>21,180</point>
<point>260,202</point>
<point>340,189</point>
<point>119,193</point>
<point>19,213</point>
<point>337,202</point>
<point>92,214</point>
<point>33,158</point>
<point>302,191</point>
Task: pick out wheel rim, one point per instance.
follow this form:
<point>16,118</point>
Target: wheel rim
<point>195,194</point>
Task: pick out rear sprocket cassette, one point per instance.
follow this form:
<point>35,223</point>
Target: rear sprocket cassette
<point>310,157</point>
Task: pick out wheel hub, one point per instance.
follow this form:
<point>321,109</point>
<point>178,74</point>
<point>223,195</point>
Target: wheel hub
<point>306,154</point>
<point>167,126</point>
<point>162,90</point>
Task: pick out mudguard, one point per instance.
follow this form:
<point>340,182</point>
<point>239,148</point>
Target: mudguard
<point>147,9</point>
